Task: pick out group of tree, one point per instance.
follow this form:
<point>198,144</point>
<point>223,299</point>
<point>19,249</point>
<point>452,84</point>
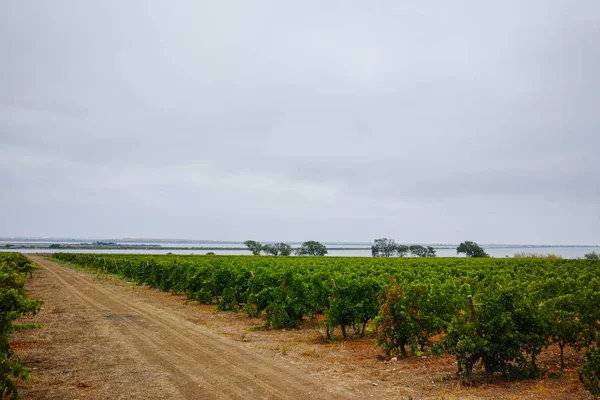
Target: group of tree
<point>310,248</point>
<point>385,247</point>
<point>422,251</point>
<point>592,256</point>
<point>278,249</point>
<point>382,247</point>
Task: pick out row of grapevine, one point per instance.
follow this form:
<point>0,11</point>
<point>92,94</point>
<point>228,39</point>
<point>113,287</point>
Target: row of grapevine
<point>13,304</point>
<point>498,312</point>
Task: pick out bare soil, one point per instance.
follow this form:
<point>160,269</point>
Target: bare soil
<point>104,338</point>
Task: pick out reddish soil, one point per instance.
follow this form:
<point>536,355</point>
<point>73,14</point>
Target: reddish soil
<point>16,345</point>
<point>104,338</point>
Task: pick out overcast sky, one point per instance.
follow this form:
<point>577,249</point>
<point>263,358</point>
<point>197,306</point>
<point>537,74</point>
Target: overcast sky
<point>423,121</point>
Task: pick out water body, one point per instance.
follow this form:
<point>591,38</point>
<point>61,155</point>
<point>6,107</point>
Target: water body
<point>350,250</point>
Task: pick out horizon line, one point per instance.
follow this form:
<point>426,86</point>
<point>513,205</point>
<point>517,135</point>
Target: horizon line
<point>149,239</point>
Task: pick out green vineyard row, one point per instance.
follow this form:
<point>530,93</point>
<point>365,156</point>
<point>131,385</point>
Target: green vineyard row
<point>13,304</point>
<point>498,312</point>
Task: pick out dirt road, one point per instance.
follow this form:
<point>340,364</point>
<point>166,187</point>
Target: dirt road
<point>107,341</point>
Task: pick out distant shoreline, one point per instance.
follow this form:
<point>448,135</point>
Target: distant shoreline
<point>62,245</point>
<point>87,246</point>
<point>153,243</point>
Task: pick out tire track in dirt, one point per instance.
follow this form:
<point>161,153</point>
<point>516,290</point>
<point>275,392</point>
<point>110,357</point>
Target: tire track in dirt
<point>201,363</point>
<point>160,351</point>
<point>142,345</point>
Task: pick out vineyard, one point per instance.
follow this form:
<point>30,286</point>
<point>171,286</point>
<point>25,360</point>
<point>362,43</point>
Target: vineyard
<point>13,304</point>
<point>499,314</point>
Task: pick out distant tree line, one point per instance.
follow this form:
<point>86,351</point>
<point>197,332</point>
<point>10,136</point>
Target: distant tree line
<point>592,256</point>
<point>385,247</point>
<point>310,248</point>
<point>382,247</point>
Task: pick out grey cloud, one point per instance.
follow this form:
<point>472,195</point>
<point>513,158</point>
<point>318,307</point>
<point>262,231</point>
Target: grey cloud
<point>428,121</point>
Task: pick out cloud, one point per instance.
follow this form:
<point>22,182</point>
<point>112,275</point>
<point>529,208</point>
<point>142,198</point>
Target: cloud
<point>338,121</point>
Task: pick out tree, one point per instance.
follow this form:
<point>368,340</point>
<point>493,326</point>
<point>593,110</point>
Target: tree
<point>402,250</point>
<point>422,251</point>
<point>278,249</point>
<point>430,252</point>
<point>271,249</point>
<point>311,248</point>
<point>592,256</point>
<point>284,249</point>
<point>384,247</point>
<point>471,249</point>
<point>254,247</point>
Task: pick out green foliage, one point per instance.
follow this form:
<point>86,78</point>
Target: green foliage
<point>271,249</point>
<point>385,247</point>
<point>13,304</point>
<point>589,375</point>
<point>284,249</point>
<point>287,303</point>
<point>471,249</point>
<point>394,327</point>
<point>409,315</point>
<point>278,249</point>
<point>565,324</point>
<point>254,246</point>
<point>312,248</point>
<point>519,305</point>
<point>402,250</point>
<point>497,331</point>
<point>592,256</point>
<point>353,303</point>
<point>422,251</point>
<point>25,327</point>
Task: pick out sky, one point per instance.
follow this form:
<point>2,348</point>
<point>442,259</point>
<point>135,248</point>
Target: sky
<point>422,121</point>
